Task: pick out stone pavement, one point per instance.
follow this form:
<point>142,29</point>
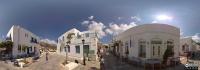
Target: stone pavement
<point>53,63</point>
<point>111,63</point>
<point>90,65</point>
<point>7,66</point>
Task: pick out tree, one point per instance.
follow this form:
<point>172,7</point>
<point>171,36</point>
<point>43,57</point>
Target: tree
<point>7,45</point>
<point>168,53</point>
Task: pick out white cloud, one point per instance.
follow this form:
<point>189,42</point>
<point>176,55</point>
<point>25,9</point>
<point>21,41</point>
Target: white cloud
<point>85,22</point>
<point>91,17</point>
<point>109,31</point>
<point>119,18</point>
<point>196,37</point>
<point>118,28</point>
<point>48,41</point>
<point>154,21</point>
<point>97,27</point>
<point>136,18</point>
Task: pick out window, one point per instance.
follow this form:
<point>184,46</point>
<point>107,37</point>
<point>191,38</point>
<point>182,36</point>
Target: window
<point>170,44</point>
<point>68,48</point>
<point>183,48</point>
<point>78,36</point>
<point>26,35</point>
<point>19,48</point>
<point>153,50</point>
<point>63,38</point>
<point>142,48</point>
<point>77,49</point>
<point>31,48</point>
<point>65,49</point>
<point>127,48</point>
<point>87,35</point>
<point>33,40</point>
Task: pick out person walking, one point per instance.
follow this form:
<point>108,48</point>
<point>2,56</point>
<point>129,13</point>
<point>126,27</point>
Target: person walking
<point>102,66</point>
<point>47,56</point>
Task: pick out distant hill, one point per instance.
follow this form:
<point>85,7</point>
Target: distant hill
<point>47,45</point>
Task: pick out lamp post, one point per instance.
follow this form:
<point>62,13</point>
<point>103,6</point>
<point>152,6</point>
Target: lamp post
<point>66,52</point>
<point>83,41</point>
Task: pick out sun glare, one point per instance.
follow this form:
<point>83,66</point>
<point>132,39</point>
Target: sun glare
<point>163,17</point>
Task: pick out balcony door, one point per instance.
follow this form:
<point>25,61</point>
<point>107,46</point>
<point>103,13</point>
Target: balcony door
<point>156,48</point>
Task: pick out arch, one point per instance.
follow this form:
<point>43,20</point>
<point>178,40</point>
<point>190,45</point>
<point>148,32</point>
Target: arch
<point>156,41</point>
<point>170,41</point>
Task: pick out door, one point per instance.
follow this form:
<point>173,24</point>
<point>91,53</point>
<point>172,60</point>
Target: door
<point>28,51</point>
<point>156,51</point>
<point>86,50</point>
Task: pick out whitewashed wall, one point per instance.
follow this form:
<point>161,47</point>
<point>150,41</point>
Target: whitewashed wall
<point>148,32</point>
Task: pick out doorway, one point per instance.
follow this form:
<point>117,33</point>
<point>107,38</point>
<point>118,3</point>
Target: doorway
<point>156,51</point>
<point>86,50</point>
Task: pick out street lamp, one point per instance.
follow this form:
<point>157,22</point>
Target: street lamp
<point>83,41</point>
<point>66,52</point>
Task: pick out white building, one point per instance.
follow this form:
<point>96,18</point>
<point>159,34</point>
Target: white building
<point>148,41</point>
<point>24,42</point>
<point>71,44</point>
<point>187,44</point>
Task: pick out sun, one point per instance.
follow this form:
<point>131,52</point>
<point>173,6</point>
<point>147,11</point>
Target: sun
<point>164,17</point>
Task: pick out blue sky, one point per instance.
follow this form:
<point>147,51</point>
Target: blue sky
<point>51,18</point>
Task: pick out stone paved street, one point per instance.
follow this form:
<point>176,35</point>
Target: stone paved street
<point>54,63</point>
<point>55,60</point>
<point>111,63</point>
<point>5,66</point>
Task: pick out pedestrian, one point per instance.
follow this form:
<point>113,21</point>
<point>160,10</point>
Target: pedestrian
<point>84,61</point>
<point>46,56</point>
<point>102,66</point>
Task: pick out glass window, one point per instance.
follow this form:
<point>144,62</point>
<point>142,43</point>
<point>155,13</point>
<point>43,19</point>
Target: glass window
<point>77,49</point>
<point>19,48</point>
<point>153,50</point>
<point>26,35</point>
<point>63,38</point>
<point>31,48</point>
<point>87,35</point>
<point>142,48</point>
<point>65,49</point>
<point>78,36</point>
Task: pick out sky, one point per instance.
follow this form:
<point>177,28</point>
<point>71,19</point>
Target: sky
<point>51,18</point>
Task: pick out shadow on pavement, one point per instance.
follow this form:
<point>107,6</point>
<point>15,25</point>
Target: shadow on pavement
<point>93,68</point>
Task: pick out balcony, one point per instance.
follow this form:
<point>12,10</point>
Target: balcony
<point>33,41</point>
